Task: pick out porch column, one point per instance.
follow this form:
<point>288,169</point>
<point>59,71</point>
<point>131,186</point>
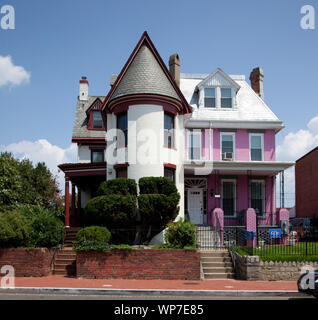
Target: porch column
<point>67,202</point>
<point>73,202</point>
<point>78,203</point>
<point>251,226</point>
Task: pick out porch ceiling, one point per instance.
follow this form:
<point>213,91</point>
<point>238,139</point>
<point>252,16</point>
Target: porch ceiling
<point>256,168</point>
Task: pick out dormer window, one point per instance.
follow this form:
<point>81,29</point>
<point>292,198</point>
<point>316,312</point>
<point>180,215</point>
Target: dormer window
<point>226,98</point>
<point>209,98</point>
<point>97,121</point>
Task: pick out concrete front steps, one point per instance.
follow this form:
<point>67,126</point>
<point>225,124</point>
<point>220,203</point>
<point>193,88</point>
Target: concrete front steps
<point>216,264</point>
<point>65,258</point>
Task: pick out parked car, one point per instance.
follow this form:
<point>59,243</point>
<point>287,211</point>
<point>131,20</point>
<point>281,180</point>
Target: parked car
<point>302,287</point>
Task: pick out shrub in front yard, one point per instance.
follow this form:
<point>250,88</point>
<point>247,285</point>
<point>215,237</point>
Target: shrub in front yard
<point>180,235</point>
<point>14,229</point>
<point>158,204</point>
<point>120,186</point>
<point>157,185</point>
<point>92,238</point>
<point>112,211</point>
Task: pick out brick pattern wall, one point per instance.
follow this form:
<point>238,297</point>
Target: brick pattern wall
<point>139,264</point>
<point>306,183</point>
<point>27,262</point>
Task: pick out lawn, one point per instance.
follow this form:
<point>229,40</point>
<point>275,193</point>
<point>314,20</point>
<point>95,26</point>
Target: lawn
<point>301,251</point>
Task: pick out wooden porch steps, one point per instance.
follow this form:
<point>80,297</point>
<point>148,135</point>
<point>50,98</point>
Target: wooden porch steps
<point>216,264</point>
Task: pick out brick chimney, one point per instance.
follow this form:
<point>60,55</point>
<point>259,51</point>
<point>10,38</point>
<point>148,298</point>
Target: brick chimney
<point>174,67</point>
<point>83,90</point>
<point>257,77</point>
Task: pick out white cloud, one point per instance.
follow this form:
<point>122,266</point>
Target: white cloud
<point>11,74</point>
<point>295,145</point>
<point>43,151</point>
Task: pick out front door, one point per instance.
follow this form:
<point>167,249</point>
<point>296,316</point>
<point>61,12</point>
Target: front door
<point>195,205</point>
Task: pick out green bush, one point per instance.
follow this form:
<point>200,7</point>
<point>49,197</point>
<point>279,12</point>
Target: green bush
<point>157,185</point>
<point>181,234</point>
<point>14,229</point>
<point>92,238</point>
<point>120,186</point>
<point>113,211</point>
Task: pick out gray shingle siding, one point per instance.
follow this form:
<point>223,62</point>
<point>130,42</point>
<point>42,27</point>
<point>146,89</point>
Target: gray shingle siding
<point>81,120</point>
<point>145,75</point>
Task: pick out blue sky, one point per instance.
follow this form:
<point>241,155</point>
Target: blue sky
<point>57,42</point>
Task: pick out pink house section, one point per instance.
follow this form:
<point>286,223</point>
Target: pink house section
<point>211,140</point>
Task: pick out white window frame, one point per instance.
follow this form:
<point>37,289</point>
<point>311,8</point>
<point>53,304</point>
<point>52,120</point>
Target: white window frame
<point>220,97</point>
<point>216,97</point>
<point>235,196</point>
<point>190,133</point>
<point>227,134</point>
<point>264,195</point>
<point>262,145</point>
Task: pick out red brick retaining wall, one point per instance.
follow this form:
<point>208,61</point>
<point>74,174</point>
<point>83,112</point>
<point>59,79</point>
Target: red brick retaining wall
<point>172,264</point>
<point>27,262</point>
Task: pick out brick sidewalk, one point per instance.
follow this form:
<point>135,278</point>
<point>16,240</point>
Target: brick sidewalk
<point>65,282</point>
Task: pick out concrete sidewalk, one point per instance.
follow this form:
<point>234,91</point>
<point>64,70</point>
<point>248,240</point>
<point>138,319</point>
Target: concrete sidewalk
<point>60,284</point>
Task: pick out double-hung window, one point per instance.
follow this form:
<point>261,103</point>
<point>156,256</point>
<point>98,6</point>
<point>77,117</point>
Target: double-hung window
<point>257,196</point>
<point>170,173</point>
<point>256,147</point>
<point>194,145</point>
<point>229,197</point>
<point>228,146</point>
<point>122,125</point>
<point>97,120</point>
<point>168,130</point>
<point>226,98</point>
<point>209,98</point>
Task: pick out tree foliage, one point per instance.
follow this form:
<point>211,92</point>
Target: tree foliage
<point>21,182</point>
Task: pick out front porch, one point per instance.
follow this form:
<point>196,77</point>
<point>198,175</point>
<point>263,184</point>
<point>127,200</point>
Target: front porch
<point>85,179</point>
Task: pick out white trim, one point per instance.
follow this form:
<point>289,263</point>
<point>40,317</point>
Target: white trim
<point>227,134</point>
<point>235,196</point>
<point>262,145</point>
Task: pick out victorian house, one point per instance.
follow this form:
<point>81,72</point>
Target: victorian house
<point>212,134</point>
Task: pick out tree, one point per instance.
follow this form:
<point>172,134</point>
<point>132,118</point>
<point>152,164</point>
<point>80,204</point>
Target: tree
<point>21,182</point>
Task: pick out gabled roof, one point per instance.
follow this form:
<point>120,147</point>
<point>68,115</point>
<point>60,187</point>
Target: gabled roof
<point>145,73</point>
<point>217,78</point>
<point>80,129</point>
<point>96,105</point>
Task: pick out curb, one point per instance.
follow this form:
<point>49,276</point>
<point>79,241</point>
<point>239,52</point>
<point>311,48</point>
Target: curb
<point>150,292</point>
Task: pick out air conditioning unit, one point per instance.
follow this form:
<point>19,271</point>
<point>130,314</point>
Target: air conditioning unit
<point>227,156</point>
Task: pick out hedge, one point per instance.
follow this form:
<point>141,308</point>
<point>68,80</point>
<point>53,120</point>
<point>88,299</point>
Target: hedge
<point>92,238</point>
<point>112,211</point>
<point>120,186</point>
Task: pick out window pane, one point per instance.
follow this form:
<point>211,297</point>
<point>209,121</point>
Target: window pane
<point>256,155</point>
<point>209,102</point>
<point>168,122</point>
<point>257,197</point>
<point>97,119</point>
<point>122,124</point>
<point>195,146</point>
<point>226,93</point>
<point>169,173</point>
<point>228,198</point>
<point>227,143</point>
<point>256,142</point>
<point>97,156</point>
<point>209,92</point>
